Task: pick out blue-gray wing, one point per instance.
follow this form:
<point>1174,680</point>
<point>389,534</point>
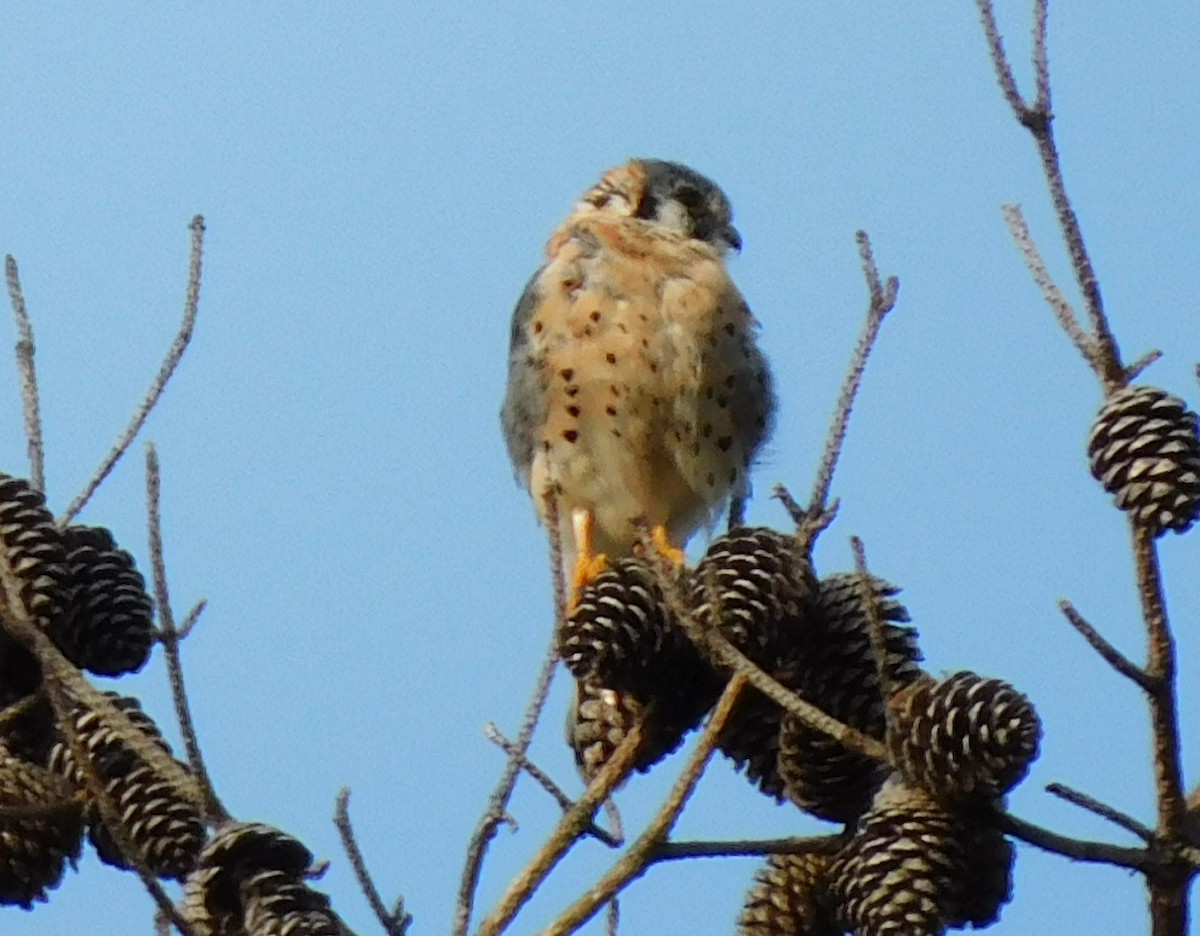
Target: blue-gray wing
<point>524,409</point>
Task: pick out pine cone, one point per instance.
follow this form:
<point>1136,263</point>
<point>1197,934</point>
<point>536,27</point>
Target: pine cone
<point>755,588</point>
<point>34,848</point>
<point>31,547</point>
<point>621,634</point>
<point>20,672</point>
<point>106,624</point>
<point>822,776</point>
<point>166,829</point>
<point>909,868</point>
<point>841,675</point>
<point>277,904</point>
<point>1145,450</point>
<point>788,898</point>
<point>600,718</point>
<point>104,741</point>
<point>162,822</point>
<point>29,730</point>
<point>236,851</point>
<point>965,737</point>
<point>750,739</point>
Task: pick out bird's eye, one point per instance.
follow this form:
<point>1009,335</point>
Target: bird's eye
<point>648,207</point>
<point>689,197</point>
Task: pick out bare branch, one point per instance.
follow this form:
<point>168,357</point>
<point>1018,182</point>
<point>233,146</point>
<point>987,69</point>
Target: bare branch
<point>493,734</point>
<point>870,602</point>
<point>494,815</point>
<point>1136,859</point>
<point>1135,370</point>
<point>1160,668</point>
<point>1111,654</point>
<point>395,922</point>
<point>882,301</point>
<point>1041,62</point>
<point>636,859</point>
<point>726,656</point>
<point>169,637</point>
<point>192,618</point>
<point>1004,73</point>
<point>191,306</point>
<point>1015,219</point>
<point>30,399</point>
<point>818,844</point>
<point>569,830</point>
<point>1103,810</point>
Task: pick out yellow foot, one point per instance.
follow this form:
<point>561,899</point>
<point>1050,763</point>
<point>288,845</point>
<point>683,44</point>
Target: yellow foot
<point>673,554</point>
<point>588,563</point>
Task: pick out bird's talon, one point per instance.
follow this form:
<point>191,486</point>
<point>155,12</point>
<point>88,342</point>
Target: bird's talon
<point>662,544</point>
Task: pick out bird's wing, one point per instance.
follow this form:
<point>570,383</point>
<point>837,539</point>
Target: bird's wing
<point>524,408</point>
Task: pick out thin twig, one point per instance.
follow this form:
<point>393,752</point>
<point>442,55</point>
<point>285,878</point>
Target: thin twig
<point>395,922</point>
<point>882,301</point>
<point>612,918</point>
<point>636,859</point>
<point>1067,320</point>
<point>1137,859</point>
<point>30,398</point>
<point>169,637</point>
<point>879,650</point>
<point>1103,810</point>
<point>1102,353</point>
<point>569,830</point>
<point>1004,73</point>
<point>494,815</point>
<point>191,306</point>
<point>493,734</point>
<point>1112,656</point>
<point>103,798</point>
<point>678,851</point>
<point>190,620</point>
<point>726,656</point>
<point>1138,367</point>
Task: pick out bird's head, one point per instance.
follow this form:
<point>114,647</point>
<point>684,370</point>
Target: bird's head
<point>668,194</point>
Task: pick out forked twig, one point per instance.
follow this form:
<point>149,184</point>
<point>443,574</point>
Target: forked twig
<point>191,306</point>
<point>1112,656</point>
<point>636,858</point>
<point>30,399</point>
<point>496,811</point>
<point>169,637</point>
<point>1105,358</point>
<point>395,922</point>
<point>882,301</point>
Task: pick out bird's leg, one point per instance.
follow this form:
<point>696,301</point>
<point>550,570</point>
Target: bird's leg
<point>662,543</point>
<point>588,563</point>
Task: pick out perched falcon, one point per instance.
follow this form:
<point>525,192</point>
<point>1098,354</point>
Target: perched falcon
<point>636,391</point>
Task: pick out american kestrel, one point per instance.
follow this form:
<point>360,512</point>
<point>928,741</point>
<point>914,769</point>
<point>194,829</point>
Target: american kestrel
<point>636,391</point>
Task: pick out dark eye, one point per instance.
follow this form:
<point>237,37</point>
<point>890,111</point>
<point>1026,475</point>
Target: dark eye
<point>648,207</point>
<point>689,197</point>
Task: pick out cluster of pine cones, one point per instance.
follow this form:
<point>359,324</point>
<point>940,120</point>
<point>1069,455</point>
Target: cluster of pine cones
<point>920,851</point>
<point>80,590</point>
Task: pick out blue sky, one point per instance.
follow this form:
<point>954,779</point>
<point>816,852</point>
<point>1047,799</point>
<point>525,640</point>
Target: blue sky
<point>378,182</point>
